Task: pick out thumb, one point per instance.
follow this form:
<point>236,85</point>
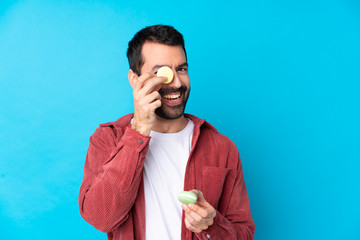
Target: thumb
<point>200,197</point>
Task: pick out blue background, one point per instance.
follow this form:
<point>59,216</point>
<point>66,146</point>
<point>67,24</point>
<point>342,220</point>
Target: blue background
<point>280,78</point>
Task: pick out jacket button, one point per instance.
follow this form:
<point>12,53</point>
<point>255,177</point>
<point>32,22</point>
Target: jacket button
<point>140,142</point>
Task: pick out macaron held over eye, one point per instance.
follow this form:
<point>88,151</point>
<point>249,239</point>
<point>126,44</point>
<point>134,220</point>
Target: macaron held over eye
<point>187,197</point>
<point>165,72</point>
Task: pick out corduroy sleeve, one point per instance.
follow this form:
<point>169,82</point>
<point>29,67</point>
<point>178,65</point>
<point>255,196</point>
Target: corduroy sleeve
<point>112,175</point>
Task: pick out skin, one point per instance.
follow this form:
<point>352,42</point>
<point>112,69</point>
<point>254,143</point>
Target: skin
<point>146,87</point>
<point>199,216</point>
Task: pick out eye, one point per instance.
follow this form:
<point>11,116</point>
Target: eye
<point>182,69</point>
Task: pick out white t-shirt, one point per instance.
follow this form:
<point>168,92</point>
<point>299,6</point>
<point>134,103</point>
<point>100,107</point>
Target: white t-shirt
<point>164,171</point>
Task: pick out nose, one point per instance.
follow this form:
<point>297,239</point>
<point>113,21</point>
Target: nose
<point>176,82</point>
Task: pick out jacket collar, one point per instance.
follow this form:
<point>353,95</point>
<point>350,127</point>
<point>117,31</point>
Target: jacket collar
<point>125,121</point>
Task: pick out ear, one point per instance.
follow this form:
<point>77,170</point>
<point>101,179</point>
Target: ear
<point>132,78</point>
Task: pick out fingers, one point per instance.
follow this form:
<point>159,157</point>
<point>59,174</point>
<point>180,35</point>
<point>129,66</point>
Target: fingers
<point>203,212</point>
<point>150,102</point>
<point>199,213</point>
<point>197,223</point>
<point>193,227</point>
<point>199,216</point>
<point>200,199</point>
<point>146,100</point>
<point>140,80</point>
<point>147,81</point>
<point>148,86</point>
<point>198,193</point>
<point>152,97</point>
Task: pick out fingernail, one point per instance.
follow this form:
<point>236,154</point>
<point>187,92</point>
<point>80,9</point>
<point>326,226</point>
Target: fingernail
<point>191,206</point>
<point>184,206</point>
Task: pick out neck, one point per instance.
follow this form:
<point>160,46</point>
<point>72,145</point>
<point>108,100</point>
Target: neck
<point>170,126</point>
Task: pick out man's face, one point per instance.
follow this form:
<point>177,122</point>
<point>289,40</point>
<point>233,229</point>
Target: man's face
<point>174,95</point>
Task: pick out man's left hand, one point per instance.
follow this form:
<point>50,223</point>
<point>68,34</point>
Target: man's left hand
<point>199,216</point>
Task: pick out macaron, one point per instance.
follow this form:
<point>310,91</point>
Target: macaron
<point>187,197</point>
<point>165,72</point>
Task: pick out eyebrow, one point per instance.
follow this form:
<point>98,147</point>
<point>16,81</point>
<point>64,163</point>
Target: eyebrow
<point>185,64</point>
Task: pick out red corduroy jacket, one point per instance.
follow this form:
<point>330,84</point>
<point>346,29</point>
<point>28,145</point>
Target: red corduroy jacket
<point>112,191</point>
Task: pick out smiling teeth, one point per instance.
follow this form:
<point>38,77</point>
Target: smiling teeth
<point>171,96</point>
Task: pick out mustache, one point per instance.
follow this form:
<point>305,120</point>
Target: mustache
<point>181,89</point>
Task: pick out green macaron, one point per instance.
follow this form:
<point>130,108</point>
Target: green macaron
<point>187,197</point>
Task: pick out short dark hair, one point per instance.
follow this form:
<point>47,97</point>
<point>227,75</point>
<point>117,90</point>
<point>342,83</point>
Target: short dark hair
<point>162,34</point>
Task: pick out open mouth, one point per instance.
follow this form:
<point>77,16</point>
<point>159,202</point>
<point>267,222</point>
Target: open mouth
<point>171,96</point>
<point>172,99</point>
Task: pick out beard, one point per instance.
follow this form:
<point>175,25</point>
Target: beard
<point>173,112</point>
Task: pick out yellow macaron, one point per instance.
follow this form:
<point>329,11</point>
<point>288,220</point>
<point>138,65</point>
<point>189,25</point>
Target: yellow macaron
<point>165,72</point>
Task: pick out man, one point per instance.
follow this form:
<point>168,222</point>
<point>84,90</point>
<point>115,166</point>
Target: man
<point>136,166</point>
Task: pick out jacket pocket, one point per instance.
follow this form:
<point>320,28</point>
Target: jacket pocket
<point>213,183</point>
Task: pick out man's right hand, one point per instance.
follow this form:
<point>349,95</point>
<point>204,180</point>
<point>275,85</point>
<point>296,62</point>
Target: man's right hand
<point>146,100</point>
